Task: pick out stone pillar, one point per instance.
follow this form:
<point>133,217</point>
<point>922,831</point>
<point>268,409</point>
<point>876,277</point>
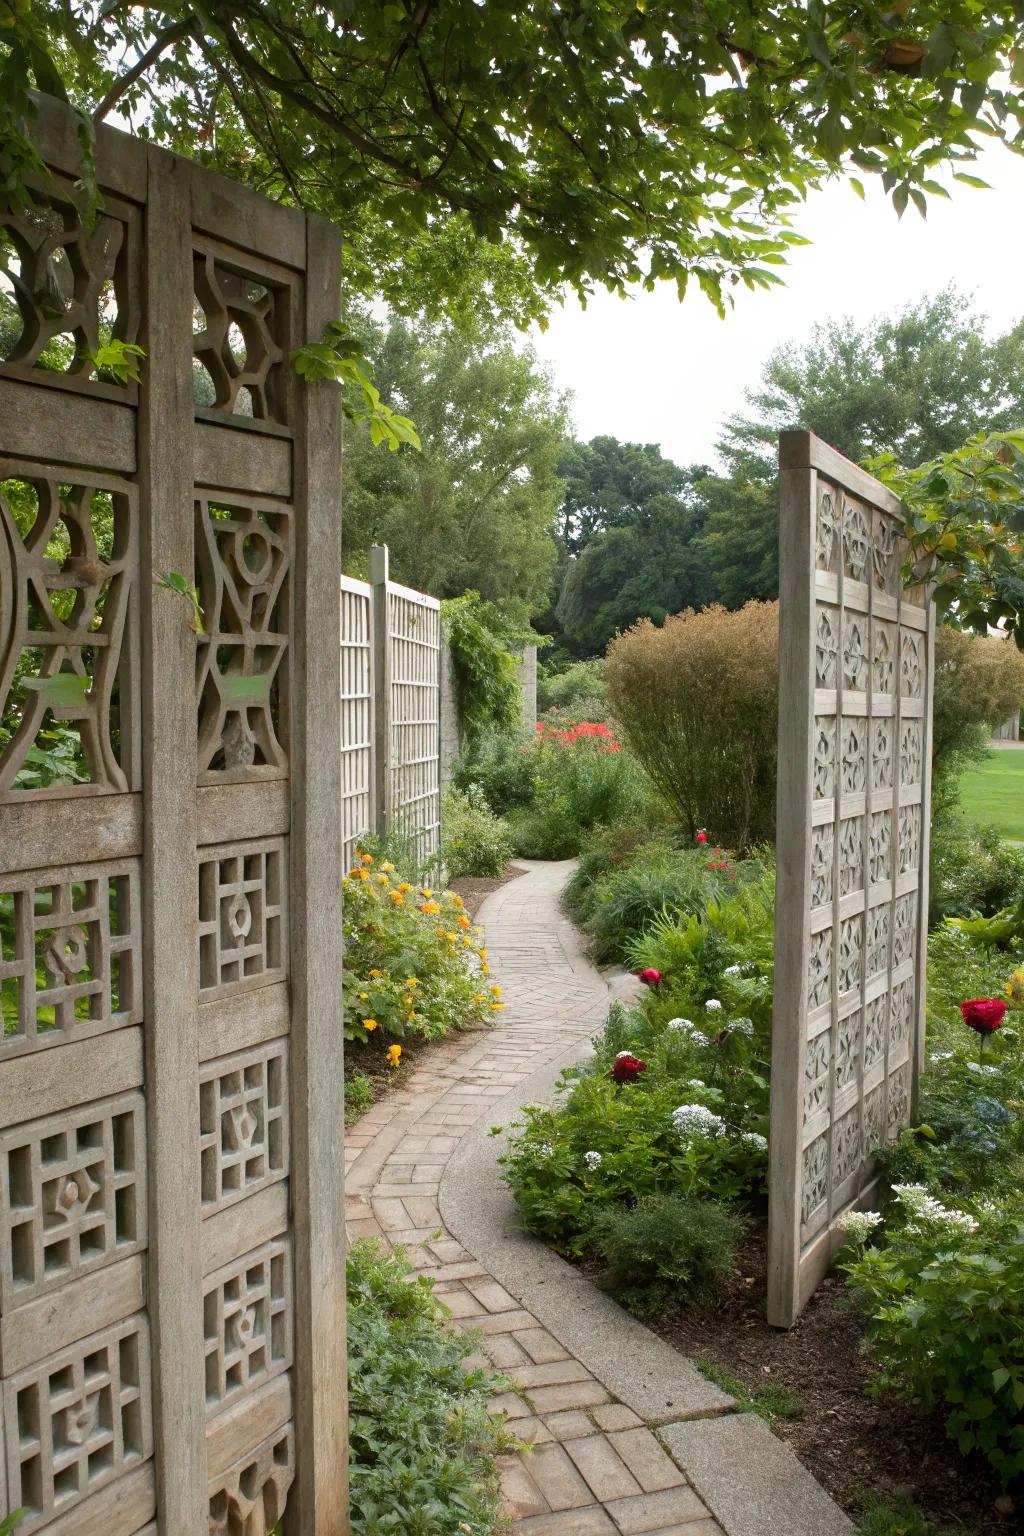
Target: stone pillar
<point>528,684</point>
<point>450,742</point>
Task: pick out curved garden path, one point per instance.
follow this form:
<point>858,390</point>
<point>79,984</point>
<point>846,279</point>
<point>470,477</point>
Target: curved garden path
<point>626,1436</point>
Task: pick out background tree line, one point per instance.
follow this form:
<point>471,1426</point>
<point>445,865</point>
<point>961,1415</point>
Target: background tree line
<point>588,537</point>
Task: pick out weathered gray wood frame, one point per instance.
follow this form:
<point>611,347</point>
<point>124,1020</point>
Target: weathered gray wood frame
<point>797,1263</point>
<point>166,449</point>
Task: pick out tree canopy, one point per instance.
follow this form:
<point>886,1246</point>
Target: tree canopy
<point>590,142</point>
<point>476,508</point>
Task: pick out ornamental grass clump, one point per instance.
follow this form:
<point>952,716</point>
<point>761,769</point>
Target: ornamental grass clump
<point>667,1243</point>
<point>697,701</point>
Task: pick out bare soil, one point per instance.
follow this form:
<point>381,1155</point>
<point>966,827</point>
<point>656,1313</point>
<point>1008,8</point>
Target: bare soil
<point>473,890</point>
<point>854,1442</point>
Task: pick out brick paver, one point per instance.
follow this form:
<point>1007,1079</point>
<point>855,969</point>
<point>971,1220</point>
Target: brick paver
<point>591,1467</point>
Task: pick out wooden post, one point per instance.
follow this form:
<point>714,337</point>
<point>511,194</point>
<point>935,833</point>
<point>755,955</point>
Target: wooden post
<point>319,1503</point>
<point>381,689</point>
<point>170,915</point>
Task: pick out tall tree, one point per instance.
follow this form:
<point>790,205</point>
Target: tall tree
<point>607,142</point>
<point>917,384</point>
<point>476,508</point>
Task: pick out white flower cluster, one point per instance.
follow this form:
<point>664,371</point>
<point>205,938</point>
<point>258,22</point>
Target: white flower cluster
<point>697,1120</point>
<point>713,1005</point>
<point>544,1149</point>
<point>925,1207</point>
<point>983,1069</point>
<point>696,1082</point>
<point>858,1224</point>
<point>622,1055</point>
<point>593,1160</point>
<point>941,1056</point>
<point>733,970</point>
<point>742,1027</point>
<point>688,1027</point>
<point>755,1139</point>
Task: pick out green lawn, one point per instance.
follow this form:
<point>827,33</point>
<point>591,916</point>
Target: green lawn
<point>993,792</point>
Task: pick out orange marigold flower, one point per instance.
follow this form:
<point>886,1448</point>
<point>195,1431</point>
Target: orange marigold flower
<point>396,897</point>
<point>457,901</point>
<point>370,1025</point>
<point>367,858</point>
<point>463,921</point>
<point>403,886</point>
<point>383,879</point>
<point>430,907</point>
<point>393,1055</point>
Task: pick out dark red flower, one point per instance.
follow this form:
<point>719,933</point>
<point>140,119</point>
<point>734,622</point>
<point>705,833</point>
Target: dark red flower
<point>626,1067</point>
<point>702,837</point>
<point>650,977</point>
<point>984,1014</point>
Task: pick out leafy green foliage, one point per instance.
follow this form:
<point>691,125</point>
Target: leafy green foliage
<point>118,360</point>
<point>473,511</point>
<point>358,1096</point>
<point>945,1305</point>
<point>414,963</point>
<point>421,1444</point>
<point>770,1402</point>
<point>615,145</point>
<point>886,1517</point>
<point>965,528</point>
<point>972,870</point>
<point>674,1244</point>
<point>578,687</point>
<point>339,357</point>
<point>486,670</point>
<point>175,582</point>
<point>473,840</point>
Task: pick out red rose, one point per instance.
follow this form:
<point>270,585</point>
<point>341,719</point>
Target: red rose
<point>650,977</point>
<point>984,1014</point>
<point>626,1067</point>
<point>702,837</point>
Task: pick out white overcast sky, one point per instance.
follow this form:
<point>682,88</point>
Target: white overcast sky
<point>649,369</point>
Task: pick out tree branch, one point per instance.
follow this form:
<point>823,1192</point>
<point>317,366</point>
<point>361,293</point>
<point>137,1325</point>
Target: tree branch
<point>163,40</point>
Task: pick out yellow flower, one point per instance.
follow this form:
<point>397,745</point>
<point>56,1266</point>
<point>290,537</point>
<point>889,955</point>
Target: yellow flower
<point>483,954</point>
<point>397,898</point>
<point>451,937</point>
<point>467,943</point>
<point>370,1025</point>
<point>410,1018</point>
<point>412,981</point>
<point>497,1007</point>
<point>376,975</point>
<point>387,869</point>
<point>463,921</point>
<point>457,901</point>
<point>367,858</point>
<point>430,907</point>
<point>393,1055</point>
<point>486,970</point>
<point>408,999</point>
<point>479,997</point>
<point>427,893</point>
<point>360,874</point>
<point>383,879</point>
<point>495,990</point>
<point>1015,986</point>
<point>403,886</point>
<point>363,996</point>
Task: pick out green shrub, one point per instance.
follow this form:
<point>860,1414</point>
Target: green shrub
<point>579,688</point>
<point>485,665</point>
<point>421,1444</point>
<point>972,870</point>
<point>698,703</point>
<point>358,1096</point>
<point>473,840</point>
<point>943,1291</point>
<point>688,1242</point>
<point>412,960</point>
<point>502,766</point>
<point>694,950</point>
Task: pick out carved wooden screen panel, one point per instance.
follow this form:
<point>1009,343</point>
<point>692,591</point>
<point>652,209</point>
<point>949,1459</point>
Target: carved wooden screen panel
<point>357,809</point>
<point>854,749</point>
<point>171,1265</point>
<point>414,777</point>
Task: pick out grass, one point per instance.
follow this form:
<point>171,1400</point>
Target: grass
<point>768,1402</point>
<point>992,793</point>
<point>884,1517</point>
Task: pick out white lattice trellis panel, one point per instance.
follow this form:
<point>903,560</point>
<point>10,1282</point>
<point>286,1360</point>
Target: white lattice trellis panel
<point>854,747</point>
<point>414,776</point>
<point>357,809</point>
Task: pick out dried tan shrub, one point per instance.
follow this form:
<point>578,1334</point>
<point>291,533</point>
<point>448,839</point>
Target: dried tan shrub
<point>698,703</point>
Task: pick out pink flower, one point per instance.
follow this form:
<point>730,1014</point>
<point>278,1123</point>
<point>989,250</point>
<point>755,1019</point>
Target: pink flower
<point>984,1014</point>
<point>702,837</point>
<point>626,1068</point>
<point>649,976</point>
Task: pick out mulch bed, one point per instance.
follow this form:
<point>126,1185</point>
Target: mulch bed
<point>473,890</point>
<point>854,1443</point>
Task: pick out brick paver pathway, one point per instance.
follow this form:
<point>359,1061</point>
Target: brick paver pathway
<point>594,1468</point>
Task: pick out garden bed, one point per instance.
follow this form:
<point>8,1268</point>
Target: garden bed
<point>812,1384</point>
<point>474,890</point>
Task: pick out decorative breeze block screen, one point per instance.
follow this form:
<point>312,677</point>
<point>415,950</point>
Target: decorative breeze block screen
<point>854,745</point>
<point>171,1242</point>
<point>414,749</point>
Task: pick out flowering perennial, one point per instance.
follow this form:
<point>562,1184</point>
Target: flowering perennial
<point>626,1067</point>
<point>697,1120</point>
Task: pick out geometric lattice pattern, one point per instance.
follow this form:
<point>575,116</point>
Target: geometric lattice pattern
<point>414,788</point>
<point>72,1195</point>
<point>70,954</point>
<point>243,1124</point>
<point>356,657</point>
<point>862,990</point>
<point>78,1420</point>
<point>247,1323</point>
<point>242,568</point>
<point>241,915</point>
<point>249,1499</point>
<point>235,341</point>
<point>67,569</point>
